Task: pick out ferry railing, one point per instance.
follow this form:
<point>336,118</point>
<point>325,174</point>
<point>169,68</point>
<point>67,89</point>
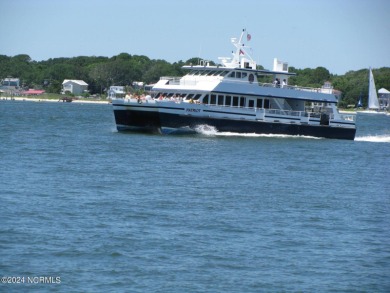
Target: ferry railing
<point>268,111</point>
<point>279,112</point>
<point>283,112</point>
<point>303,115</point>
<point>293,87</point>
<point>171,79</point>
<point>345,117</point>
<point>175,80</point>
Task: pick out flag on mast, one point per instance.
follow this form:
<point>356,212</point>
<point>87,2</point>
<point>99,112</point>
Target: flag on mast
<point>248,37</point>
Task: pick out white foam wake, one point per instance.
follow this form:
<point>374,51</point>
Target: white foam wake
<point>374,138</point>
<point>212,131</point>
<point>206,130</point>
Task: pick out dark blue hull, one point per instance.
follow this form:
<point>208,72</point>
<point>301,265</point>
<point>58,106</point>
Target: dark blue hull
<point>137,120</point>
<point>154,121</point>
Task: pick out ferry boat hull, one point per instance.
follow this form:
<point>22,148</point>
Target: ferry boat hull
<point>139,120</point>
<point>150,120</point>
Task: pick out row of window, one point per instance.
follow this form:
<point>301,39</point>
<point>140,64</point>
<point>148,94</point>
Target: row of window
<point>238,74</point>
<point>236,101</point>
<point>208,72</point>
<point>233,74</point>
<point>178,95</point>
<point>221,100</point>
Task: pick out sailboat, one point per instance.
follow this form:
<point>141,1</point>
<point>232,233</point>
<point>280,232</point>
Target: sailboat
<point>373,101</point>
<point>360,104</point>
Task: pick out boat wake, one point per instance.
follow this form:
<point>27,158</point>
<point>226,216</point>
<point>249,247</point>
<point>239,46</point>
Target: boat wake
<point>208,130</point>
<point>374,138</point>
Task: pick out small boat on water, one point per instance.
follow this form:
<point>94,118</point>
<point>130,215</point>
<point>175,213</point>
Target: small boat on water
<point>229,98</point>
<point>373,101</point>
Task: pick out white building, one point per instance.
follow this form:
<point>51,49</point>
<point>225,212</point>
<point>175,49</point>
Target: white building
<point>10,83</point>
<point>75,87</point>
<point>116,91</point>
<point>384,98</point>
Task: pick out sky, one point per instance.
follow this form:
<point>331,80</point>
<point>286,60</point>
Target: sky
<point>340,35</point>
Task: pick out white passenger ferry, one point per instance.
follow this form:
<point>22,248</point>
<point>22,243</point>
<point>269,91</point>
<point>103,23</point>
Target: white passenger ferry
<point>229,98</point>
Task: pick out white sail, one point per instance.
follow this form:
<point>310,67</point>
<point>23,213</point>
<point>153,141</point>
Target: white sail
<point>373,102</point>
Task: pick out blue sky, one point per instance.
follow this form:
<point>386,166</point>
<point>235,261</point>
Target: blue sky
<point>340,35</point>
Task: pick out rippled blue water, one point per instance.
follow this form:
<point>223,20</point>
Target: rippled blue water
<point>112,212</point>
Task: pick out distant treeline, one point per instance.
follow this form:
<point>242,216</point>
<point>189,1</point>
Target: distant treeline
<point>124,69</point>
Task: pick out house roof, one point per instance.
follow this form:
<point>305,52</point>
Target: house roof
<point>33,92</point>
<point>383,91</point>
<point>80,82</point>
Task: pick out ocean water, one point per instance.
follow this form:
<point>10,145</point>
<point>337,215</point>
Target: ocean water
<point>87,209</point>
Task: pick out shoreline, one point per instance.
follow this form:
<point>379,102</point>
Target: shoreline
<point>347,112</point>
<point>25,99</point>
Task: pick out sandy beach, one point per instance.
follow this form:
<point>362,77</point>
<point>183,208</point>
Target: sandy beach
<point>37,99</point>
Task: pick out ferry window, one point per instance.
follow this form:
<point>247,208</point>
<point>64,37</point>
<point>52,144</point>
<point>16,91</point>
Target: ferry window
<point>228,100</point>
<point>220,100</point>
<point>223,73</point>
<point>233,74</point>
<point>213,100</point>
<point>244,74</point>
<point>206,72</point>
<point>197,97</point>
<point>266,104</point>
<point>242,102</point>
<point>235,101</point>
<point>238,74</point>
<point>251,103</point>
<point>259,103</point>
<point>206,99</point>
<point>251,78</point>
